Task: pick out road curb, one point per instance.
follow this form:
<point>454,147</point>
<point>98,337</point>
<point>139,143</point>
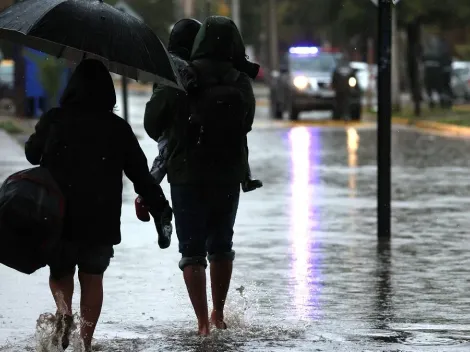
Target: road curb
<point>135,87</point>
<point>433,126</point>
<point>263,124</point>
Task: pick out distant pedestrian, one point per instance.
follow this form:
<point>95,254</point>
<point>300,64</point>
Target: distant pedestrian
<point>340,84</point>
<point>86,147</point>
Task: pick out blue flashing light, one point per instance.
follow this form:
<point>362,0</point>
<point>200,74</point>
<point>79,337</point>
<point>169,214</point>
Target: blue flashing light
<point>304,50</point>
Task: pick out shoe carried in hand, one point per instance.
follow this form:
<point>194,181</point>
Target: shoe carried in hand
<point>164,226</point>
<point>141,210</point>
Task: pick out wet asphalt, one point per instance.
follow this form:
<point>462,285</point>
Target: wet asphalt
<point>310,274</point>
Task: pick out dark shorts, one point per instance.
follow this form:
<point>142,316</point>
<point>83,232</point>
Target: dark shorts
<point>90,259</point>
<point>204,219</point>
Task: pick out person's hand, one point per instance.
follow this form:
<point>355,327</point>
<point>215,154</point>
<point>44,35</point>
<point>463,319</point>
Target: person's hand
<point>164,226</point>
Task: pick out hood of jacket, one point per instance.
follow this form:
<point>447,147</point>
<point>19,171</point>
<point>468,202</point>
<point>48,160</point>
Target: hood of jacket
<point>90,88</point>
<point>220,40</point>
<point>182,37</point>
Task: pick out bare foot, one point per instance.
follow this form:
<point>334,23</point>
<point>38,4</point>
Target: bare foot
<point>217,319</point>
<point>204,331</point>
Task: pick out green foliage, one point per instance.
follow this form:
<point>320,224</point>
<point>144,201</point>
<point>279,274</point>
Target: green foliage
<point>463,52</point>
<point>10,127</point>
<point>340,20</point>
<point>157,14</point>
<point>50,74</point>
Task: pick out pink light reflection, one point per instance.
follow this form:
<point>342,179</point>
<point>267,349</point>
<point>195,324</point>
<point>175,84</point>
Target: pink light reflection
<point>303,242</point>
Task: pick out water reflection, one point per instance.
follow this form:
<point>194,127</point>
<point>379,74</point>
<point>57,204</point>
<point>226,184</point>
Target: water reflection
<point>384,313</point>
<point>305,147</point>
<point>353,146</point>
<point>383,287</point>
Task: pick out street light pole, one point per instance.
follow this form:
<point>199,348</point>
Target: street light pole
<point>384,123</point>
<point>396,101</point>
<point>273,36</point>
<point>208,8</point>
<point>19,79</point>
<point>236,14</point>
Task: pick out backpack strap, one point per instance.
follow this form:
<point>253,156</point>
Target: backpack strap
<point>207,81</point>
<point>231,77</point>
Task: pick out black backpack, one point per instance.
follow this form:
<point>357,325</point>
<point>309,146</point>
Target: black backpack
<point>217,114</point>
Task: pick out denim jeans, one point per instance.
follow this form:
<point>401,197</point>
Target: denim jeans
<point>204,218</point>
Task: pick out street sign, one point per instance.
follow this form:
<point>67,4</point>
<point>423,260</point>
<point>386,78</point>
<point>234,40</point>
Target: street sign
<point>376,2</point>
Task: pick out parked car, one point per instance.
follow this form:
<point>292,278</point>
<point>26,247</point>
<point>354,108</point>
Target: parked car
<point>366,75</point>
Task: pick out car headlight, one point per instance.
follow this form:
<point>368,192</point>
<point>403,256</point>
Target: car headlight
<point>300,82</point>
<point>352,82</point>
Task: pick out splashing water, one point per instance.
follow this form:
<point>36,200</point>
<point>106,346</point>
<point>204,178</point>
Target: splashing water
<point>245,326</point>
<point>47,338</point>
<point>248,327</point>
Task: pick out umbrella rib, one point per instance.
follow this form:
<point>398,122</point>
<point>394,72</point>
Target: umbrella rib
<point>61,51</point>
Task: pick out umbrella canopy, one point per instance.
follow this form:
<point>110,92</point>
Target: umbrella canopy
<point>81,29</point>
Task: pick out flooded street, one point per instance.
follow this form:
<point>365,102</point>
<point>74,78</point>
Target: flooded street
<point>309,274</point>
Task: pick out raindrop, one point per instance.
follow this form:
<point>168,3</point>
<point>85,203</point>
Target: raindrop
<point>104,158</point>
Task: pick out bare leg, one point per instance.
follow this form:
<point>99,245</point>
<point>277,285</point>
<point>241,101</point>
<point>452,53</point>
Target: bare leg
<point>195,279</point>
<point>221,274</point>
<point>62,291</point>
<point>91,301</point>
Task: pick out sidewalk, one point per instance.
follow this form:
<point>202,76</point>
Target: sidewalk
<point>12,156</point>
<point>261,90</point>
<point>18,128</point>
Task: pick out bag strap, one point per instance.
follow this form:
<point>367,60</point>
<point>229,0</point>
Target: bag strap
<point>231,77</point>
<point>49,133</point>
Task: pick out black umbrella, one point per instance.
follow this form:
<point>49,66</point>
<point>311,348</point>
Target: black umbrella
<point>80,29</point>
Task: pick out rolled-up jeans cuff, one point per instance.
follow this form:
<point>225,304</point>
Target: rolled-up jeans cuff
<point>185,261</point>
<point>217,257</point>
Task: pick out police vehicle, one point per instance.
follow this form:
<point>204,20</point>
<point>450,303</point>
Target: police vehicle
<point>303,83</point>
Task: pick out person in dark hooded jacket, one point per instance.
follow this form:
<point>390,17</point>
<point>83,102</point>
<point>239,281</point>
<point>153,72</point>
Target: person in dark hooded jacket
<point>86,147</point>
<point>205,183</point>
<point>164,101</point>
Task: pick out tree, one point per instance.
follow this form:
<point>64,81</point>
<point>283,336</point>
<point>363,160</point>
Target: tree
<point>443,14</point>
<point>157,14</point>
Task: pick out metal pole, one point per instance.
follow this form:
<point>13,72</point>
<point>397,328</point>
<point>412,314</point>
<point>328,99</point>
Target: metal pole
<point>236,14</point>
<point>188,8</point>
<point>19,79</point>
<point>208,8</point>
<point>125,99</point>
<point>396,91</point>
<point>384,120</point>
<point>273,37</point>
<point>372,78</point>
